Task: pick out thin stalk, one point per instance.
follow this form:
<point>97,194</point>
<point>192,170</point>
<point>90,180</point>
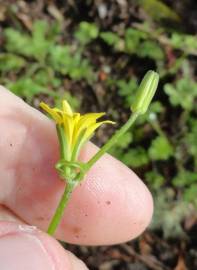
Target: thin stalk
<point>111,141</point>
<point>155,125</point>
<point>61,206</point>
<point>72,184</point>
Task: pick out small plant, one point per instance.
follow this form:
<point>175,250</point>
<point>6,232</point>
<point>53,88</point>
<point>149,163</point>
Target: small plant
<point>160,149</point>
<point>178,93</point>
<point>169,213</point>
<point>74,130</point>
<point>40,62</point>
<point>44,62</point>
<point>86,32</point>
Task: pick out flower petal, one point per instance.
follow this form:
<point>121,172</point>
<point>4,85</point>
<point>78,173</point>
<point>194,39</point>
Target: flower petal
<point>68,127</point>
<point>87,120</point>
<point>66,107</point>
<point>78,129</point>
<point>52,112</point>
<point>90,130</point>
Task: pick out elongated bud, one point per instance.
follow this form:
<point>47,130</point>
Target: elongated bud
<point>145,93</point>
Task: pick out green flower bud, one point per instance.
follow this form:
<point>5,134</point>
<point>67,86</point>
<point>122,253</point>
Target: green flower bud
<point>145,93</point>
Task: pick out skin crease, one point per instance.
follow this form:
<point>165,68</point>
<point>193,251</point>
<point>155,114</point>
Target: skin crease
<point>112,205</point>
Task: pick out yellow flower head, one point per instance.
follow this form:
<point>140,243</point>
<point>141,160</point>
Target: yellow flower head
<point>77,128</point>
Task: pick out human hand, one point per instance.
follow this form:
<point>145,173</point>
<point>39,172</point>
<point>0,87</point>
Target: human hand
<point>111,206</point>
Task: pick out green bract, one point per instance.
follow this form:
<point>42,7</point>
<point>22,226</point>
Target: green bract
<point>145,92</point>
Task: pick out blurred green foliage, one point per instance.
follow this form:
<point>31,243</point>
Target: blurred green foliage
<point>178,93</point>
<point>86,32</point>
<point>163,144</point>
<point>40,61</point>
<point>160,149</point>
<point>173,212</point>
<point>158,10</point>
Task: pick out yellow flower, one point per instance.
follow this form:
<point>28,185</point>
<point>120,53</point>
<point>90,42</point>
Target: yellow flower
<point>77,128</point>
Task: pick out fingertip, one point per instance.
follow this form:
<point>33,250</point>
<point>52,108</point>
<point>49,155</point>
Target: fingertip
<point>24,247</point>
<point>75,262</point>
<point>111,206</point>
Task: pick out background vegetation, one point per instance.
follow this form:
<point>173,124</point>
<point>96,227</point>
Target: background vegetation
<point>94,53</point>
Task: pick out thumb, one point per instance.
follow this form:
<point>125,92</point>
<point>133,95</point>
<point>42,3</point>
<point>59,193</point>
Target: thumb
<point>25,247</point>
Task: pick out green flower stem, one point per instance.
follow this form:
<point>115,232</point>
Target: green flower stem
<point>143,98</point>
<point>155,125</point>
<point>142,101</point>
<point>111,142</point>
<point>70,185</point>
<point>61,206</point>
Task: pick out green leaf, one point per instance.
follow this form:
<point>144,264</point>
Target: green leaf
<point>182,93</point>
<point>127,90</point>
<point>133,39</point>
<point>57,57</point>
<point>112,39</point>
<point>118,150</point>
<point>156,107</point>
<point>160,149</point>
<point>183,42</point>
<point>17,42</point>
<point>67,63</point>
<point>41,45</point>
<point>11,62</point>
<point>45,77</point>
<point>86,32</point>
<point>39,31</point>
<point>190,193</point>
<point>184,179</point>
<point>135,157</point>
<point>126,139</point>
<point>35,45</point>
<point>26,87</point>
<point>151,49</point>
<point>154,179</point>
<point>158,10</point>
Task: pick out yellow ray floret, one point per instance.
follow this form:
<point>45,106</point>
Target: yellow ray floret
<point>77,128</point>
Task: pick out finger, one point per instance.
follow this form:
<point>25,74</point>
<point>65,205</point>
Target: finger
<point>25,247</point>
<point>7,215</point>
<point>112,205</point>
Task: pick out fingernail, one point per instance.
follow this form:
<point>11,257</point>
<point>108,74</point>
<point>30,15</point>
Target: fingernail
<point>23,250</point>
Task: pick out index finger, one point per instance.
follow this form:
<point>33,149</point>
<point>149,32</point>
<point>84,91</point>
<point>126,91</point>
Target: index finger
<point>111,205</point>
